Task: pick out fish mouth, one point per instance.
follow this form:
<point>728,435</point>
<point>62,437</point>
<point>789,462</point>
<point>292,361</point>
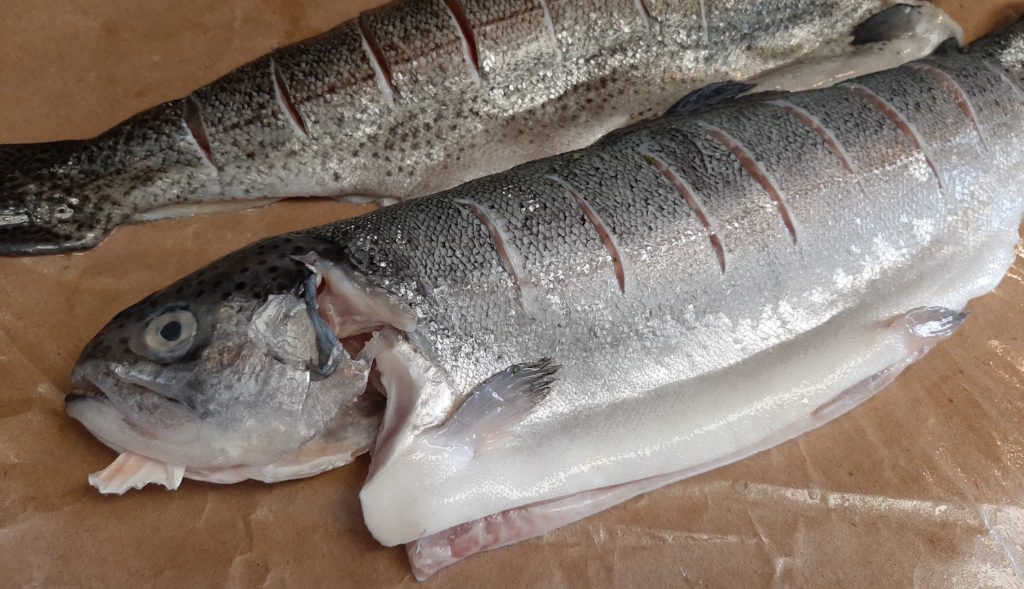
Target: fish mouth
<point>85,389</point>
<point>100,384</point>
<point>105,383</point>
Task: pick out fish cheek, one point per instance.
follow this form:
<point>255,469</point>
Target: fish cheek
<point>254,408</point>
<point>340,392</point>
<point>158,417</point>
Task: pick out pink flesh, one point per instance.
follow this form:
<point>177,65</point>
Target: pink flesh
<point>132,471</point>
<point>688,195</point>
<point>458,13</point>
<point>281,87</point>
<point>433,553</point>
<point>756,171</point>
<point>353,309</point>
<point>602,230</point>
<point>194,122</point>
<point>901,123</point>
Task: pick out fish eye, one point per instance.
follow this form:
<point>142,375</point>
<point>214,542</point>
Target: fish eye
<point>169,335</point>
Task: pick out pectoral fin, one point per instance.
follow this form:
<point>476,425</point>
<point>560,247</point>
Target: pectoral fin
<point>496,405</point>
<point>921,329</point>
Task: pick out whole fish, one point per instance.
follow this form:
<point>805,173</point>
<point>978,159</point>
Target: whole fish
<point>420,96</point>
<point>563,336</point>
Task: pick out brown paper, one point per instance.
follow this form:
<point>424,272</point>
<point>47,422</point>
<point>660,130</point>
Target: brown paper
<point>921,486</point>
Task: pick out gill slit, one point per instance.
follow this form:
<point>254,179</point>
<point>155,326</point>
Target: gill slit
<point>901,123</point>
<point>830,139</point>
<point>549,23</point>
<point>284,99</point>
<point>603,232</point>
<point>955,90</point>
<point>755,170</point>
<point>378,61</point>
<point>470,50</point>
<point>704,22</point>
<point>507,253</point>
<point>690,197</point>
<point>193,118</point>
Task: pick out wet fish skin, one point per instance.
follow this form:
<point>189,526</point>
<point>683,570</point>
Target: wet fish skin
<point>674,273</point>
<point>231,391</point>
<point>916,202</point>
<point>315,119</point>
<point>515,267</point>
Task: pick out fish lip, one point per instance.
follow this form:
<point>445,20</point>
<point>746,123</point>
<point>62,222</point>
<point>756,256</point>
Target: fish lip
<point>84,387</point>
<point>92,381</point>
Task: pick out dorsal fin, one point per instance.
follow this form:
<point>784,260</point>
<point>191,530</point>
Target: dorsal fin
<point>711,95</point>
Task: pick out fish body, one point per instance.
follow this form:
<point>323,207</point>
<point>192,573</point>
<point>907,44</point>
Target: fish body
<point>564,335</point>
<point>413,98</point>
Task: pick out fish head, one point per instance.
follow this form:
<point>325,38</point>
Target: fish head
<point>218,370</point>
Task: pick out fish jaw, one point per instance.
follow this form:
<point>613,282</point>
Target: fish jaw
<point>127,415</point>
<point>179,445</point>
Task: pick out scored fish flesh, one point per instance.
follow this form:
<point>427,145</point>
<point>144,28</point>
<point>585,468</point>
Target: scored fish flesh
<point>562,336</point>
<point>420,96</point>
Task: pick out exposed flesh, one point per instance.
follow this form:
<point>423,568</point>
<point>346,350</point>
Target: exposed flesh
<point>912,335</point>
<point>935,230</point>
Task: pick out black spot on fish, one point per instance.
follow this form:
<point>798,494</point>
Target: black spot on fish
<point>225,295</point>
<point>239,285</point>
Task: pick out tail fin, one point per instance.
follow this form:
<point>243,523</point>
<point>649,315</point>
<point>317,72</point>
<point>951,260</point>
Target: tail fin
<point>40,213</point>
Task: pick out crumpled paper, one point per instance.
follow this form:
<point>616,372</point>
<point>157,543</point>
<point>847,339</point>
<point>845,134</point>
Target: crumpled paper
<point>921,486</point>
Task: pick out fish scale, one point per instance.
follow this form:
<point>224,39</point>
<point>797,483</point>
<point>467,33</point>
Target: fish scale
<point>393,105</point>
<point>764,263</point>
<point>557,338</point>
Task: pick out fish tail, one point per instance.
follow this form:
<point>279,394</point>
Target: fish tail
<point>68,195</point>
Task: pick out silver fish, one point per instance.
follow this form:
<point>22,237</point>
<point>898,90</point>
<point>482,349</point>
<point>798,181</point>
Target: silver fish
<point>563,336</point>
<point>417,97</point>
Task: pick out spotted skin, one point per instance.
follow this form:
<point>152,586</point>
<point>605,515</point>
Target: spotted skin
<point>313,119</point>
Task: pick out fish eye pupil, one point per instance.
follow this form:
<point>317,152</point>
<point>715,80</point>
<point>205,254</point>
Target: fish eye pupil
<point>171,331</point>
